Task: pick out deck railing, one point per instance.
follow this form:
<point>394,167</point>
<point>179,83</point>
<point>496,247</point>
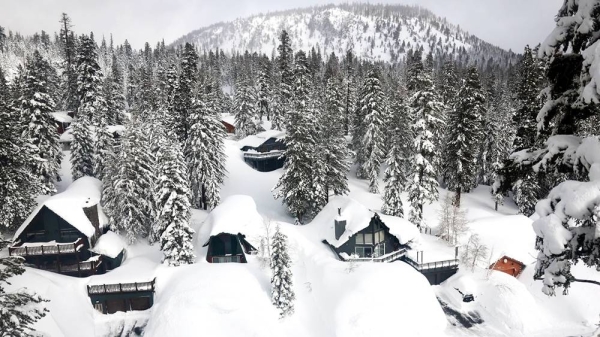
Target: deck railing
<point>86,267</point>
<point>48,249</point>
<point>121,287</point>
<point>393,256</point>
<point>446,264</point>
<point>262,155</point>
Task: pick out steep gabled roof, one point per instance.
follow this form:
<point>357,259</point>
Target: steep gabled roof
<point>508,258</point>
<point>82,193</point>
<point>357,218</point>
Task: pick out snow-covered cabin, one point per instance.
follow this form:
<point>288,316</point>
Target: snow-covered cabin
<point>264,151</point>
<point>508,265</point>
<point>228,121</point>
<point>356,233</point>
<point>229,228</point>
<point>61,233</point>
<point>63,119</point>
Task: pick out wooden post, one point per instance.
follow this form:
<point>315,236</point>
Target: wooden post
<point>42,249</point>
<point>26,251</point>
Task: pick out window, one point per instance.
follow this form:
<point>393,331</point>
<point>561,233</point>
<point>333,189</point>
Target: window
<point>379,250</point>
<point>363,251</point>
<point>369,238</point>
<point>359,239</point>
<point>225,259</point>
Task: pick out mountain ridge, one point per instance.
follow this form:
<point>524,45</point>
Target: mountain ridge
<point>374,32</point>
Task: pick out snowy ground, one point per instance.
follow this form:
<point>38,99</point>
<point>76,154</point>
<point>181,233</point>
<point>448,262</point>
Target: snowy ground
<point>374,299</point>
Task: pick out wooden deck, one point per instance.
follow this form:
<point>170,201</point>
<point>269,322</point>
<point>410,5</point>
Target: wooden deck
<point>447,264</point>
<point>117,288</point>
<point>46,249</point>
<point>393,256</point>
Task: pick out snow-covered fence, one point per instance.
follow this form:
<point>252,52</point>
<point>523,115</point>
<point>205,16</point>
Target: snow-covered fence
<point>446,264</point>
<point>263,155</point>
<point>46,249</point>
<point>121,287</point>
<point>393,256</point>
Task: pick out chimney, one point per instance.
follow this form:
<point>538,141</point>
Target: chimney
<point>340,225</point>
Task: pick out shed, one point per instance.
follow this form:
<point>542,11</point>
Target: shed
<point>110,298</point>
<point>231,229</point>
<point>112,249</point>
<point>63,119</point>
<point>508,265</point>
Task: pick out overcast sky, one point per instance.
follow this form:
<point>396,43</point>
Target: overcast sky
<point>506,23</point>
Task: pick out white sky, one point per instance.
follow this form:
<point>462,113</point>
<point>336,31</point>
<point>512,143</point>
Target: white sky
<point>506,23</point>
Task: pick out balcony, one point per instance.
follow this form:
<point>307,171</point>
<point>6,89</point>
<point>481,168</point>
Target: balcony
<point>431,266</point>
<point>118,288</point>
<point>45,248</point>
<point>263,155</point>
<point>390,257</point>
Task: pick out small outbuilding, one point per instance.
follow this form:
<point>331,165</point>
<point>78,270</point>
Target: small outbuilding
<point>114,297</point>
<point>229,230</point>
<point>264,151</point>
<point>508,265</point>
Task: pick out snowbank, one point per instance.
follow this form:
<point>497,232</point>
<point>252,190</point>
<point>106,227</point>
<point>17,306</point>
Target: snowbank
<point>236,214</point>
<point>82,193</point>
<point>109,244</point>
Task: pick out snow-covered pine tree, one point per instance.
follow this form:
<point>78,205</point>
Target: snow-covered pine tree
<point>335,149</point>
<point>465,124</point>
<point>286,73</point>
<point>349,91</point>
<point>245,109</point>
<point>172,196</point>
<point>115,95</point>
<point>185,93</point>
<point>39,125</point>
<point>204,150</point>
<point>133,205</point>
<point>69,51</point>
<point>21,309</point>
<point>264,88</point>
<point>297,185</point>
<point>396,180</point>
<point>528,90</point>
<point>282,292</point>
<point>18,186</point>
<point>82,149</point>
<point>368,138</point>
<point>425,106</point>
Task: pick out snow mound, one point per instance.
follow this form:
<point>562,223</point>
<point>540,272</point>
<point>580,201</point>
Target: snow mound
<point>259,138</point>
<point>109,244</point>
<point>236,214</point>
<point>356,215</point>
<point>82,193</point>
<point>404,230</point>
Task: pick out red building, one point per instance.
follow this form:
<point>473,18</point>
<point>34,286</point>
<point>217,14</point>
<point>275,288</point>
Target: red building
<point>508,265</point>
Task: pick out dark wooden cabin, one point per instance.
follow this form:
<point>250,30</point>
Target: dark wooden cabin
<point>508,265</point>
<point>264,151</point>
<point>373,241</point>
<point>60,233</point>
<point>230,128</point>
<point>227,248</point>
<point>111,298</point>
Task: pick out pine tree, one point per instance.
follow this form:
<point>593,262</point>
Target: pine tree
<point>425,106</point>
<point>82,149</point>
<point>287,80</point>
<point>204,151</point>
<point>282,292</point>
<point>115,97</point>
<point>264,89</point>
<point>464,136</point>
<point>18,186</point>
<point>297,185</point>
<point>21,309</point>
<point>396,173</point>
<point>368,137</point>
<point>68,45</point>
<point>530,79</point>
<point>526,193</point>
<point>133,204</point>
<point>36,106</point>
<point>335,150</point>
<point>184,95</point>
<point>173,207</point>
<point>245,109</point>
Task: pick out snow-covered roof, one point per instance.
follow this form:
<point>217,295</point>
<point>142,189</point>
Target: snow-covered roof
<point>228,118</point>
<point>109,244</point>
<point>120,129</point>
<point>259,138</point>
<point>83,192</point>
<point>357,218</point>
<point>62,116</point>
<point>236,214</point>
